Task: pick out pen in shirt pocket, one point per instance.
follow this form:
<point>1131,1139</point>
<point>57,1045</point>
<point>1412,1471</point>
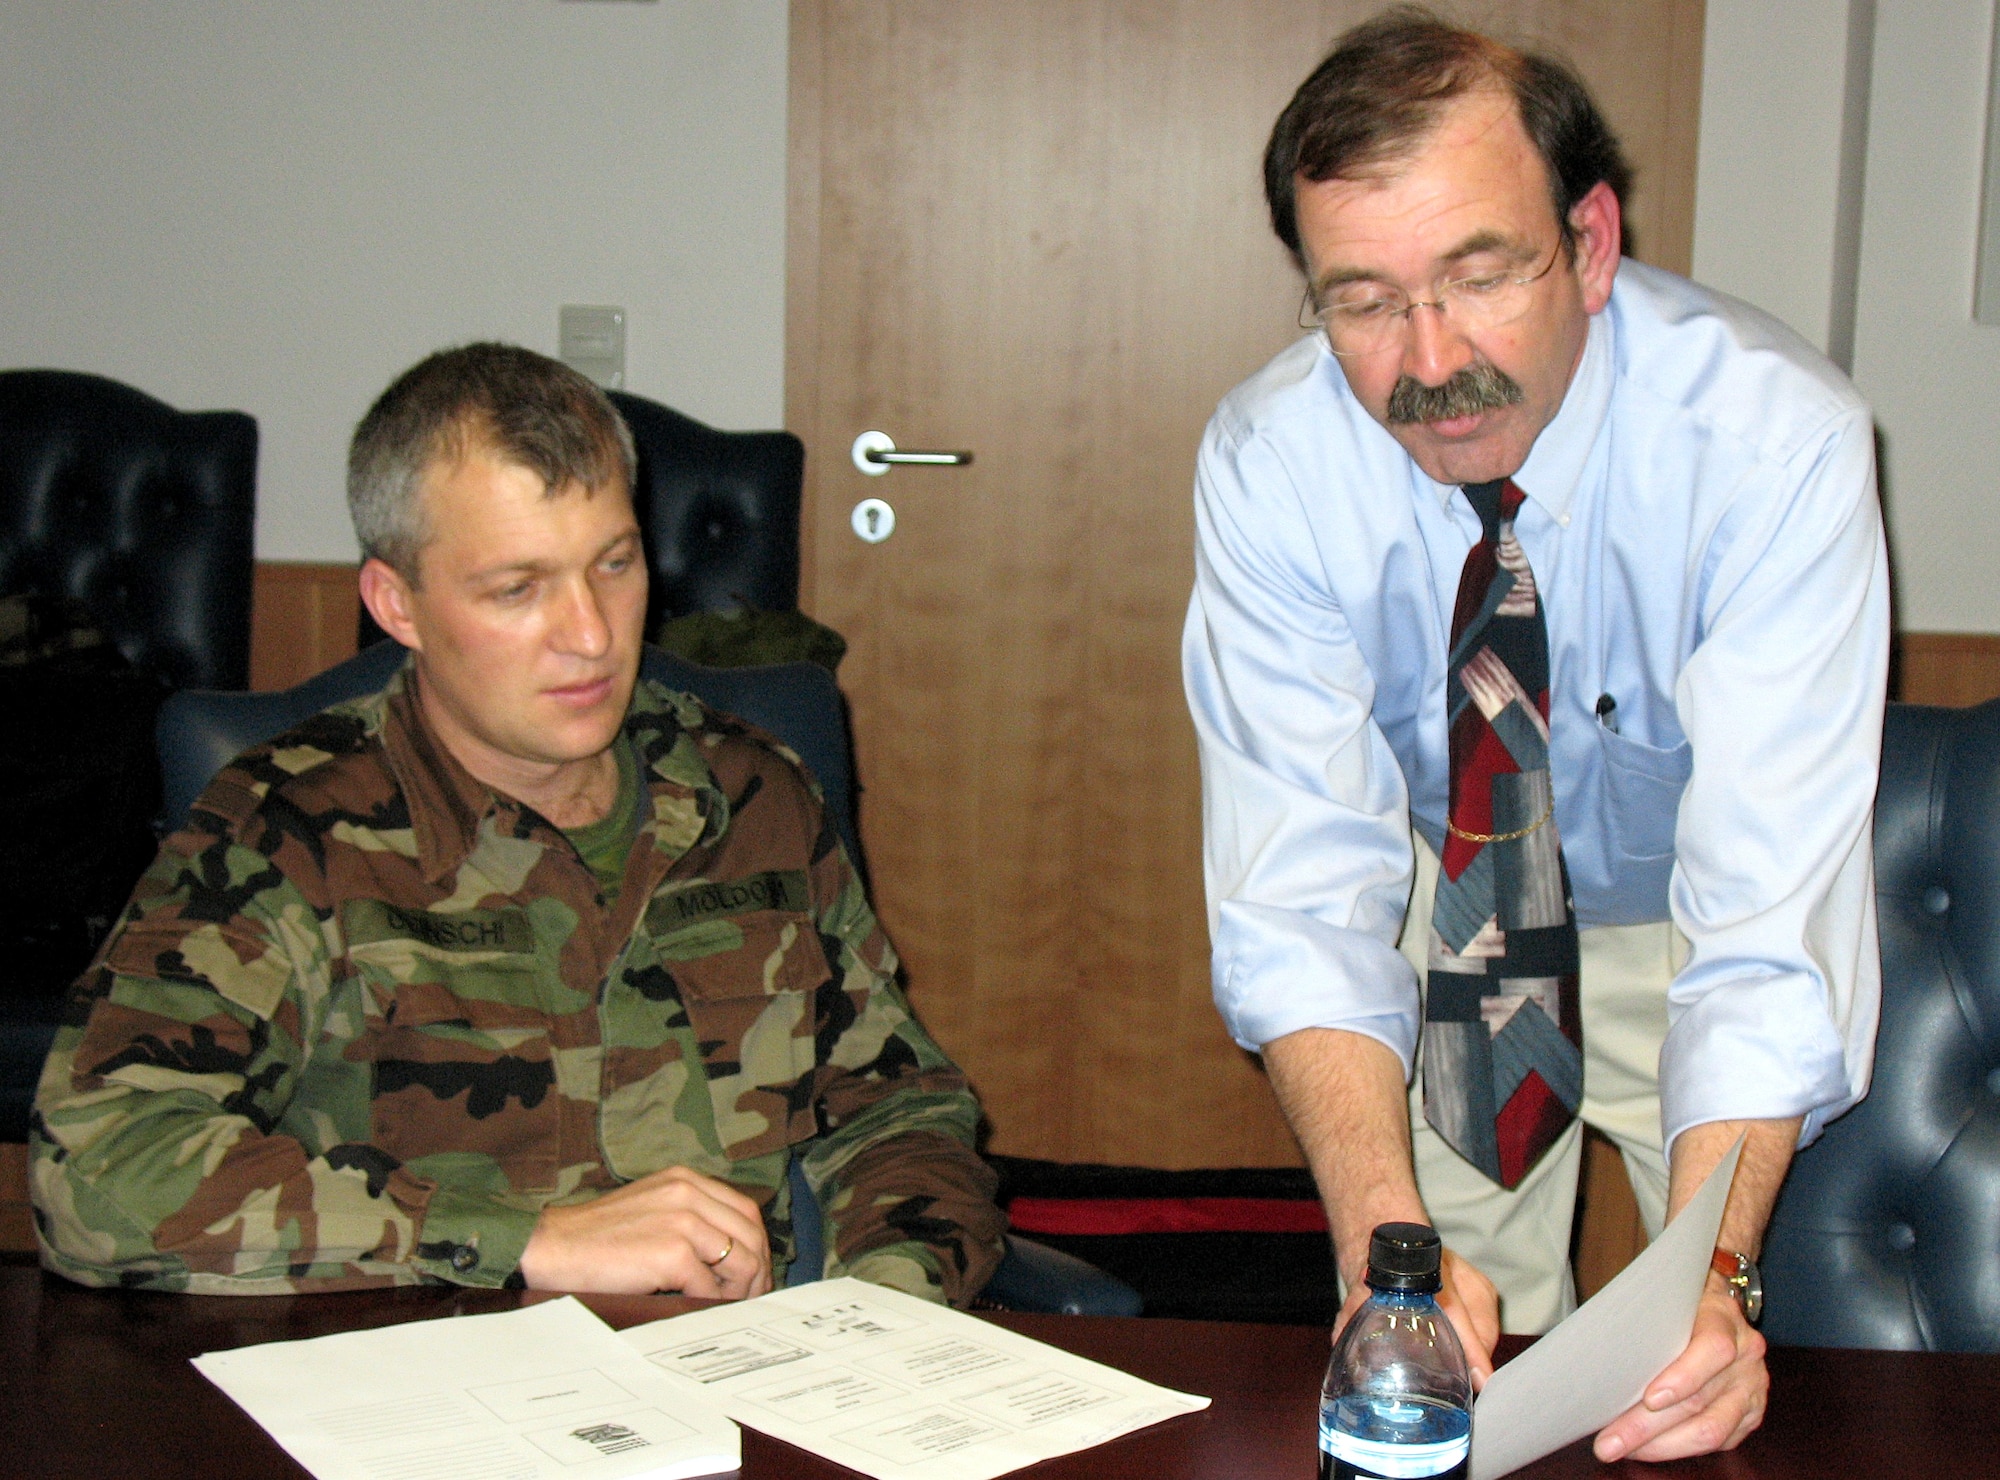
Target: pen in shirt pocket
<point>1607,712</point>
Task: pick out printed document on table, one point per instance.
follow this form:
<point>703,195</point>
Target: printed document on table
<point>896,1387</point>
<point>1598,1361</point>
<point>547,1390</point>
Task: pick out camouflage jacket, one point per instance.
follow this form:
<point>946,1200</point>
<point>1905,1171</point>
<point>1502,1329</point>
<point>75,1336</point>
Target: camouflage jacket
<point>365,1017</point>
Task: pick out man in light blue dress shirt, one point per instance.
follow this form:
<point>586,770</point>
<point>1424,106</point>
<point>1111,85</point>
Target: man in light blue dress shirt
<point>1701,522</point>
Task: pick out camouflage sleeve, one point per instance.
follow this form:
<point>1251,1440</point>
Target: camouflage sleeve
<point>907,1200</point>
<point>197,1127</point>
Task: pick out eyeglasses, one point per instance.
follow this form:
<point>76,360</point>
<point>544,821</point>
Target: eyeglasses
<point>1374,320</point>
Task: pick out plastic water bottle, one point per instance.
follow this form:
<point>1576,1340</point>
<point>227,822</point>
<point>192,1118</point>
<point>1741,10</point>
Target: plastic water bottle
<point>1398,1396</point>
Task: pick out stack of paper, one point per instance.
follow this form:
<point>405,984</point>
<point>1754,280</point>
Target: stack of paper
<point>897,1388</point>
<point>548,1390</point>
<point>868,1377</point>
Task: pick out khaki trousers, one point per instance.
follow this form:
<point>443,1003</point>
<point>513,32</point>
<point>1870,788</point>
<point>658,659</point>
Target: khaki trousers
<point>1520,1239</point>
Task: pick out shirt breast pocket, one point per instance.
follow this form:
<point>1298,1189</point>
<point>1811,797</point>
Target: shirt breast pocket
<point>464,1071</point>
<point>748,985</point>
<point>1644,784</point>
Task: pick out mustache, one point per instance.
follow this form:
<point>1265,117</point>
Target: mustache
<point>1480,386</point>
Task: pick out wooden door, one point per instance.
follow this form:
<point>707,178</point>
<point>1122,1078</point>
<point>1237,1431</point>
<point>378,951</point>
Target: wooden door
<point>1035,229</point>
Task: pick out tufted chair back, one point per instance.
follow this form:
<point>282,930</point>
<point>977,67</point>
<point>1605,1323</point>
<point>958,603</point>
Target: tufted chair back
<point>141,513</point>
<point>720,513</point>
<point>1887,1233</point>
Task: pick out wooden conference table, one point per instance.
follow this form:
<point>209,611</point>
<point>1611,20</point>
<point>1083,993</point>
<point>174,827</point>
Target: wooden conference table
<point>96,1383</point>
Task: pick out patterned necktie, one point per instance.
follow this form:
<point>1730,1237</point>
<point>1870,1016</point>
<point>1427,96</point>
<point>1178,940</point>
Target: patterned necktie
<point>1502,1040</point>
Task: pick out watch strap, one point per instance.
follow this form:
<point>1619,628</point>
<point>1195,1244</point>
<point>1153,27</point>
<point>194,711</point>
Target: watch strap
<point>1739,1274</point>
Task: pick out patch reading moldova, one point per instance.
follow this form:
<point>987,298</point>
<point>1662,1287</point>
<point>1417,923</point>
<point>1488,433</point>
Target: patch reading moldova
<point>780,890</point>
<point>507,932</point>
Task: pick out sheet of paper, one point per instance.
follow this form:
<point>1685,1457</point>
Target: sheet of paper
<point>1596,1364</point>
<point>898,1388</point>
<point>547,1390</point>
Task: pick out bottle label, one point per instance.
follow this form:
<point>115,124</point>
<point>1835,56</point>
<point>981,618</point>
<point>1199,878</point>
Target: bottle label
<point>1395,1461</point>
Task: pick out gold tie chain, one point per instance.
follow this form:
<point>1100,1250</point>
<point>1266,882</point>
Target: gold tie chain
<point>1507,837</point>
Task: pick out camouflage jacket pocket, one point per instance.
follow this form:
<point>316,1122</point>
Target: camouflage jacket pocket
<point>748,985</point>
<point>463,1073</point>
<point>738,939</point>
<point>240,962</point>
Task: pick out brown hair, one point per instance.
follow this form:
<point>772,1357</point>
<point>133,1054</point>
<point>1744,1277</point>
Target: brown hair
<point>1376,97</point>
<point>523,407</point>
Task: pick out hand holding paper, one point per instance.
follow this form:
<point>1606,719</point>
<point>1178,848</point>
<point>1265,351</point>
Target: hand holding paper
<point>1691,1407</point>
<point>1714,1394</point>
<point>1600,1361</point>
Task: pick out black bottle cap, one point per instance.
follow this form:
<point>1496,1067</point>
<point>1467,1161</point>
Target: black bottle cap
<point>1404,1256</point>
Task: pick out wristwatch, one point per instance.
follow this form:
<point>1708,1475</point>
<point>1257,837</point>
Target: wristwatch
<point>1739,1272</point>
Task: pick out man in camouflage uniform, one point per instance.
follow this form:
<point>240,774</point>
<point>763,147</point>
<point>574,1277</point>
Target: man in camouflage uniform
<point>520,972</point>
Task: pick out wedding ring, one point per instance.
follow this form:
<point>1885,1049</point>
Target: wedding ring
<point>726,1250</point>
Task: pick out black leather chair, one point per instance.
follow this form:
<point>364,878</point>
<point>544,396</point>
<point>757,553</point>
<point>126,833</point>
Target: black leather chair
<point>798,703</point>
<point>1887,1232</point>
<point>140,513</point>
<point>720,513</point>
<point>143,516</point>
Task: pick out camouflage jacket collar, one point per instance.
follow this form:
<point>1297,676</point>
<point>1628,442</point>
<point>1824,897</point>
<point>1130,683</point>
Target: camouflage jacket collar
<point>449,805</point>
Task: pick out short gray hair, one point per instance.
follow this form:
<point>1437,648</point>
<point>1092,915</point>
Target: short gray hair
<point>523,407</point>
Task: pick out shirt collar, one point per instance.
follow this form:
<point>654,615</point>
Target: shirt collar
<point>1556,462</point>
<point>449,805</point>
<point>446,802</point>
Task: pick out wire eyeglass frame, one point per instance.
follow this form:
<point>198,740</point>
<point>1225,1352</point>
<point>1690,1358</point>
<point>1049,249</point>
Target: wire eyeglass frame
<point>1501,308</point>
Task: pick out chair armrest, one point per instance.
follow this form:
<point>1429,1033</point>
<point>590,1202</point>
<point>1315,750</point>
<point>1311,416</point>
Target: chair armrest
<point>24,1047</point>
<point>1035,1277</point>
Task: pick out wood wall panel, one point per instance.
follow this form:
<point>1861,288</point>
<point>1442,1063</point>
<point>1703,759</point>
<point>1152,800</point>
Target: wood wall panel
<point>17,1226</point>
<point>1609,1232</point>
<point>302,620</point>
<point>1952,668</point>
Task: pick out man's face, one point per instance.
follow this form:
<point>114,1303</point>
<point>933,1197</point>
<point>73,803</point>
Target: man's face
<point>527,619</point>
<point>1473,200</point>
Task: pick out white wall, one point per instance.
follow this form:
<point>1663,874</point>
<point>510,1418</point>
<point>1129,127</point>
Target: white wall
<point>1769,227</point>
<point>275,205</point>
<point>1777,92</point>
<point>1931,372</point>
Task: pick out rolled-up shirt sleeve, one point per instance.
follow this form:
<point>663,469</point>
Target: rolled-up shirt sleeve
<point>1774,1014</point>
<point>1307,854</point>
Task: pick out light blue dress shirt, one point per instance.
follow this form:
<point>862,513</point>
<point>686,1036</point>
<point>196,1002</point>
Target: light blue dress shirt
<point>1702,524</point>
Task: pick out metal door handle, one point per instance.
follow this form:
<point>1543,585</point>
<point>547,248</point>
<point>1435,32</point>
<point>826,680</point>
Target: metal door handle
<point>875,453</point>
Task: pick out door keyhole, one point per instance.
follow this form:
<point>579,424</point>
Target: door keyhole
<point>873,520</point>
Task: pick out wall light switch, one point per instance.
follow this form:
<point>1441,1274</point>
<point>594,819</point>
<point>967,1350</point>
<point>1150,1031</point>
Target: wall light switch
<point>591,340</point>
